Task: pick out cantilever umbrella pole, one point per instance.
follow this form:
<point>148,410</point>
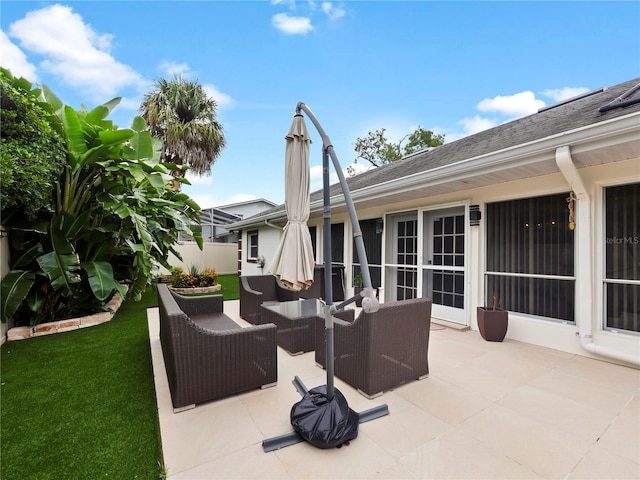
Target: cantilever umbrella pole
<point>357,233</point>
<point>328,150</point>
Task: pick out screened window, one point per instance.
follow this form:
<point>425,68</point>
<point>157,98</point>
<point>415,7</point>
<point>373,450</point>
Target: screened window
<point>252,244</point>
<point>337,243</point>
<point>372,239</point>
<point>313,232</point>
<point>530,257</point>
<point>622,257</point>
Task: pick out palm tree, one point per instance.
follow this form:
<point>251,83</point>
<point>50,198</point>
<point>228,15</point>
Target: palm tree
<point>180,113</point>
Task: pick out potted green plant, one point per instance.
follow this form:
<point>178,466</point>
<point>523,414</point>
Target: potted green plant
<point>357,287</point>
<point>493,322</point>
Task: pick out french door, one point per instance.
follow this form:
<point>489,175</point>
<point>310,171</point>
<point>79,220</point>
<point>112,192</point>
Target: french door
<point>443,263</point>
<point>402,267</point>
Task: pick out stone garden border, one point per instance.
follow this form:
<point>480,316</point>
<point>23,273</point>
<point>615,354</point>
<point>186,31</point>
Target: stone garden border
<point>194,290</point>
<point>49,328</point>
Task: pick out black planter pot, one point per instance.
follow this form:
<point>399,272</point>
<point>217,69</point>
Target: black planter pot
<point>493,324</point>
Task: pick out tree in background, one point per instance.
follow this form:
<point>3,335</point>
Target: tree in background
<point>32,149</point>
<point>377,150</point>
<point>180,113</point>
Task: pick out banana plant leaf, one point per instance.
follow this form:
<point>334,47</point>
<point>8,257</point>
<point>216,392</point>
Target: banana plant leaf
<point>101,279</point>
<point>15,287</point>
<point>62,264</point>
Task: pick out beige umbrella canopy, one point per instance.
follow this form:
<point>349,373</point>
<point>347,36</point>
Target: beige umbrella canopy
<point>293,262</point>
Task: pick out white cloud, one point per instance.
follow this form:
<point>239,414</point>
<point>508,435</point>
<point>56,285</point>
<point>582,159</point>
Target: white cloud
<point>476,124</point>
<point>357,168</point>
<point>14,59</point>
<point>291,3</point>
<point>174,68</point>
<point>332,11</point>
<point>513,106</point>
<point>198,180</point>
<point>292,25</point>
<point>222,99</point>
<point>315,173</point>
<point>73,51</point>
<point>561,94</point>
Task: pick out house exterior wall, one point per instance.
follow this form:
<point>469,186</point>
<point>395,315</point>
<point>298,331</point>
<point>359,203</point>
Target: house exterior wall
<point>588,261</point>
<point>268,241</point>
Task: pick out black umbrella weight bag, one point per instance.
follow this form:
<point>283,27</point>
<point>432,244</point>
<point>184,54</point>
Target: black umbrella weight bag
<point>324,422</point>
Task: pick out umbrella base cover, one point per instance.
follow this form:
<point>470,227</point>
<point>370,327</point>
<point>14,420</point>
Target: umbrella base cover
<point>322,422</point>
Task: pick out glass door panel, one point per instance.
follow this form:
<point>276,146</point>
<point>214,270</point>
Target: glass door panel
<point>402,270</point>
<point>443,272</point>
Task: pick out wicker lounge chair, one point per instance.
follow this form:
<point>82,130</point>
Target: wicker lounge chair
<point>317,289</point>
<point>207,355</point>
<point>381,350</point>
<point>258,289</point>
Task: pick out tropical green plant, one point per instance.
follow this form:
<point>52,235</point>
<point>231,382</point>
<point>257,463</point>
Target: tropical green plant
<point>184,117</point>
<point>31,148</point>
<point>114,214</point>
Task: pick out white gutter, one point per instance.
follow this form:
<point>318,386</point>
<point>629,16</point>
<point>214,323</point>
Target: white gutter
<point>584,289</point>
<point>266,222</point>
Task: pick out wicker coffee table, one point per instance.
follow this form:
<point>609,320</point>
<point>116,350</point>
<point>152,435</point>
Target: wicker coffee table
<point>295,322</point>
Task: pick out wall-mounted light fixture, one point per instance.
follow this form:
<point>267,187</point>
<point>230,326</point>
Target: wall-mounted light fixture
<point>379,225</point>
<point>474,215</point>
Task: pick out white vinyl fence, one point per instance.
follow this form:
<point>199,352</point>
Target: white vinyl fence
<point>221,256</point>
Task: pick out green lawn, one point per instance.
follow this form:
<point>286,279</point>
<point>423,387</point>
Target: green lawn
<point>82,404</point>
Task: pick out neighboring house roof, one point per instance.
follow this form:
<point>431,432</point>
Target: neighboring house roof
<point>518,149</point>
<point>217,216</point>
<point>247,202</point>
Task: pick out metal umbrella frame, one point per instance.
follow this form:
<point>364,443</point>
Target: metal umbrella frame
<point>369,300</point>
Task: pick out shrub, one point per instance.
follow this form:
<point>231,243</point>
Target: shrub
<point>208,277</point>
<point>195,278</point>
<point>31,148</point>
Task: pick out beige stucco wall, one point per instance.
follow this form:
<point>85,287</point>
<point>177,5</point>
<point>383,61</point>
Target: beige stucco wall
<point>537,331</point>
<point>268,241</point>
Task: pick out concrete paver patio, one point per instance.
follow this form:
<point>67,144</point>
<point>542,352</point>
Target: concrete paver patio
<point>487,410</point>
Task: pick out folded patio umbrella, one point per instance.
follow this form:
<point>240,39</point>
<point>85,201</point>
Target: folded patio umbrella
<point>293,261</point>
<point>323,417</point>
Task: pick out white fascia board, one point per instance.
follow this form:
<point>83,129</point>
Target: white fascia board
<point>583,139</point>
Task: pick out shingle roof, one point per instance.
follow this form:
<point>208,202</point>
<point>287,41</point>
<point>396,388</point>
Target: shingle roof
<point>562,117</point>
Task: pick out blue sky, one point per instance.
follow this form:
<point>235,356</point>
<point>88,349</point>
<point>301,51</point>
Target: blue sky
<point>453,67</point>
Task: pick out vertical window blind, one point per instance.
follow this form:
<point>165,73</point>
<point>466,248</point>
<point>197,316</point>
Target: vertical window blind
<point>530,257</point>
<point>622,257</point>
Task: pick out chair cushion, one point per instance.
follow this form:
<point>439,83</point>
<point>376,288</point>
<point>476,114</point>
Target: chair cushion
<point>215,321</point>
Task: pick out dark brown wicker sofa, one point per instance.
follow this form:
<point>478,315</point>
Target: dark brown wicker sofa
<point>382,350</point>
<point>258,289</point>
<point>207,355</point>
